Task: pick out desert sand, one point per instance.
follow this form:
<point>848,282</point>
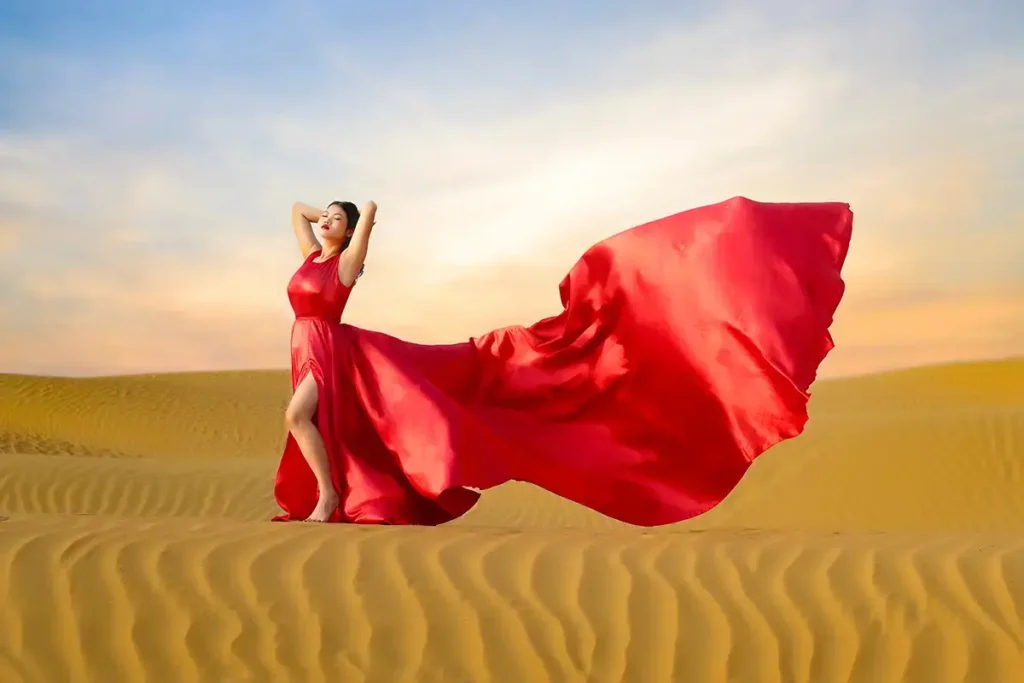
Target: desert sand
<point>884,544</point>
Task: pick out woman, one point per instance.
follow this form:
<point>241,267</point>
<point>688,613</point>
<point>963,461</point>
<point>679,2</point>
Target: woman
<point>684,350</point>
<point>318,293</point>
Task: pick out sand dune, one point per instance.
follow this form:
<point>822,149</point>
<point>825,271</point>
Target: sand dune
<point>188,415</point>
<point>114,599</point>
<point>885,544</point>
<point>61,484</point>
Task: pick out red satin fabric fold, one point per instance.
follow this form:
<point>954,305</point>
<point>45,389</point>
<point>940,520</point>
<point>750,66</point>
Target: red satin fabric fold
<point>685,348</point>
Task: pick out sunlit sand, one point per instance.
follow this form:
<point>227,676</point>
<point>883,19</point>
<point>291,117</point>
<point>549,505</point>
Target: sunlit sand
<point>885,544</point>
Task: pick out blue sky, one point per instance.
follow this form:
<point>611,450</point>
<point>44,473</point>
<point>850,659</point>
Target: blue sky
<point>149,153</point>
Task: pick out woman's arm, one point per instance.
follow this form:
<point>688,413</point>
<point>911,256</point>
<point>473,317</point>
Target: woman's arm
<point>303,217</point>
<point>351,260</point>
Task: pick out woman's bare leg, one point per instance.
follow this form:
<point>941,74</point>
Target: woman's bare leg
<point>299,420</point>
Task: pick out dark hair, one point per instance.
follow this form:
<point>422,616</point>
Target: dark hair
<point>352,218</point>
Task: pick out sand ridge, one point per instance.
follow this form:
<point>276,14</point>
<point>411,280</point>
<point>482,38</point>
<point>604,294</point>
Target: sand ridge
<point>163,600</point>
<point>885,544</point>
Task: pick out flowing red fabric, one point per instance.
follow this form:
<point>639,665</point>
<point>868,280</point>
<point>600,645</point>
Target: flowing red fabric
<point>685,348</point>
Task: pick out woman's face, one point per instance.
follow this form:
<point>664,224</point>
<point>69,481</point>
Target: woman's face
<point>334,224</point>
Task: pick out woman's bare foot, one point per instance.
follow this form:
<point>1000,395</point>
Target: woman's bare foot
<point>325,505</point>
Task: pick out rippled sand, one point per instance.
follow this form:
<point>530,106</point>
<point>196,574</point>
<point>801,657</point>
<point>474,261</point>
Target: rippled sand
<point>886,544</point>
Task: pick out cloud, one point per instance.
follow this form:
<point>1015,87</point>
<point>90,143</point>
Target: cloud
<point>147,229</point>
<point>941,328</point>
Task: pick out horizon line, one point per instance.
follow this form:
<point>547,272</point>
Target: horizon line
<point>978,360</point>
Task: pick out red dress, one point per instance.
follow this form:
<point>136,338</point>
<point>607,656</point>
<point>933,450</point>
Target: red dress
<point>685,349</point>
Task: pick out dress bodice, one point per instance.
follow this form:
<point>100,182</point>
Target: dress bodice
<point>315,290</point>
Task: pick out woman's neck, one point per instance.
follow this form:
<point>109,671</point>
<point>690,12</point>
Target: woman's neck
<point>330,248</point>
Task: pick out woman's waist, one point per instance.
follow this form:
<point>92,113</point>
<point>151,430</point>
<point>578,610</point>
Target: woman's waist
<point>317,326</point>
<point>333,320</point>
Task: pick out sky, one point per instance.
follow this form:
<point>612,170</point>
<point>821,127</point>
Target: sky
<point>150,153</point>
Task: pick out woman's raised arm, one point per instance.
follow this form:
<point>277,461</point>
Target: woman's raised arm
<point>351,261</point>
<point>303,217</point>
